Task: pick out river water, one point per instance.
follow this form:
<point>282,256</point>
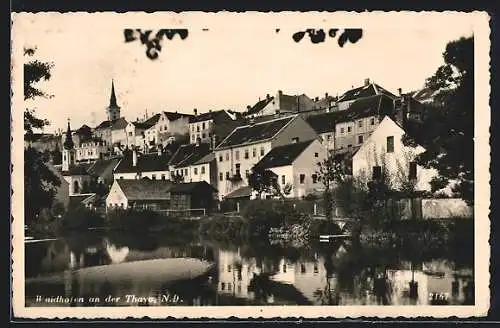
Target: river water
<point>116,269</point>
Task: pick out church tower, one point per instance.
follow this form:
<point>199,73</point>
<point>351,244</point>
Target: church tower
<point>68,155</point>
<point>113,110</point>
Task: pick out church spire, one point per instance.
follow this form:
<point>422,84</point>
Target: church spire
<point>68,143</point>
<point>112,99</point>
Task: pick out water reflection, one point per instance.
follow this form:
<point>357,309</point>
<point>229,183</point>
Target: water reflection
<point>119,270</point>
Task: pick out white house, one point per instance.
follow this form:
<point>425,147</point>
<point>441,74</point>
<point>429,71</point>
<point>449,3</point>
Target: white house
<point>296,165</point>
<point>246,145</point>
<point>368,89</point>
<point>165,125</point>
<point>143,193</point>
<point>385,148</point>
<point>279,104</point>
<point>201,126</point>
<point>91,150</point>
<point>183,161</point>
<point>137,165</point>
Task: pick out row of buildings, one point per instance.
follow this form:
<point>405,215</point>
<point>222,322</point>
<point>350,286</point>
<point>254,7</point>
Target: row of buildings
<point>288,135</point>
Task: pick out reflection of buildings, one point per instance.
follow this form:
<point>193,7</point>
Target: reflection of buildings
<point>235,274</point>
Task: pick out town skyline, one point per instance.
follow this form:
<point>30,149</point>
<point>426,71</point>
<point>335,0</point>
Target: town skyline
<point>206,72</point>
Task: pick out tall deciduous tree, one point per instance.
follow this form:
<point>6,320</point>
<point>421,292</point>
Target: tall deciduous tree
<point>330,171</point>
<point>449,128</point>
<point>40,182</point>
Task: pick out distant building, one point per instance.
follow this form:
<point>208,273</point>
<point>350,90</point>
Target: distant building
<point>202,126</point>
<point>247,145</point>
<point>113,110</point>
<point>368,89</point>
<point>165,126</point>
<point>280,104</point>
<point>192,163</point>
<point>137,165</point>
<point>296,165</point>
<point>91,150</point>
<point>161,195</point>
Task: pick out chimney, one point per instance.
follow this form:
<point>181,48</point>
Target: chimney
<point>316,99</point>
<point>249,107</point>
<point>400,92</point>
<point>367,82</point>
<point>280,93</point>
<point>134,158</point>
<point>268,96</point>
<point>195,112</point>
<point>326,95</point>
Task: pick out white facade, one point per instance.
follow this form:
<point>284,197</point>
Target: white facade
<point>119,136</point>
<point>238,159</point>
<point>76,183</point>
<point>302,174</point>
<point>91,150</point>
<point>164,128</point>
<point>385,147</point>
<point>116,197</point>
<point>135,136</point>
<point>200,130</point>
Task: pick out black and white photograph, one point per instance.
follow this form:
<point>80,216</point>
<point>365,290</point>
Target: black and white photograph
<point>312,164</point>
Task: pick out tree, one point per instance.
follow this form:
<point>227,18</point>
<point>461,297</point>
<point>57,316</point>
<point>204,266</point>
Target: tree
<point>330,171</point>
<point>449,127</point>
<point>40,182</point>
<point>265,181</point>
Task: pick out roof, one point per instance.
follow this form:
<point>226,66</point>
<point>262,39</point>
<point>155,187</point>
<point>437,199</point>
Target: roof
<point>78,169</point>
<point>76,200</point>
<point>102,165</point>
<point>145,189</point>
<point>205,159</point>
<point>252,133</point>
<point>191,187</point>
<point>145,163</point>
<point>364,107</point>
<point>283,155</point>
<point>245,191</point>
<point>189,154</point>
<point>369,90</point>
<point>141,125</point>
<point>211,115</point>
<point>175,116</point>
<point>295,103</point>
<point>259,105</point>
<point>119,123</point>
<point>425,95</point>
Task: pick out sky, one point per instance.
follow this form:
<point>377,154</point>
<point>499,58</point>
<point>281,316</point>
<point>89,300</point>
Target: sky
<point>238,59</point>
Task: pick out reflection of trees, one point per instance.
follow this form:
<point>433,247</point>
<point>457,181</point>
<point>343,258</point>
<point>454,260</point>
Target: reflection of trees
<point>261,286</point>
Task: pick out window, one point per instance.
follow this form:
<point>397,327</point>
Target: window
<point>203,169</point>
<point>372,121</point>
<point>229,268</point>
<point>261,151</point>
<point>153,176</point>
<point>377,173</point>
<point>195,171</point>
<point>314,178</point>
<point>203,125</point>
<point>130,134</point>
<point>227,175</point>
<point>349,146</point>
<point>203,135</point>
<point>328,137</point>
<point>349,129</point>
<point>227,156</point>
<point>390,144</point>
<point>220,158</point>
<point>186,172</point>
<point>413,171</point>
<point>316,155</point>
<point>197,128</point>
<point>360,123</point>
<point>254,152</point>
<point>193,138</point>
<point>247,173</point>
<point>302,178</point>
<point>246,154</point>
<point>221,176</point>
<point>302,268</point>
<point>237,155</point>
<point>360,139</point>
<point>222,286</point>
<point>316,270</point>
<point>192,128</point>
<point>283,179</point>
<point>237,169</point>
<point>342,130</point>
<point>284,267</point>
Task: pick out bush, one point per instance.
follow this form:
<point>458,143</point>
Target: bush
<point>80,217</point>
<point>224,228</point>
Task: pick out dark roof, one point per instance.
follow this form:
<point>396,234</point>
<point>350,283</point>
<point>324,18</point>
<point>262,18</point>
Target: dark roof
<point>364,107</point>
<point>206,159</point>
<point>245,191</point>
<point>189,154</point>
<point>102,165</point>
<point>283,155</point>
<point>255,132</point>
<point>295,103</point>
<point>76,200</point>
<point>78,169</point>
<point>191,187</point>
<point>145,189</point>
<point>119,124</point>
<point>141,125</point>
<point>259,105</point>
<point>145,163</point>
<point>369,90</point>
<point>175,116</point>
<point>214,115</point>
